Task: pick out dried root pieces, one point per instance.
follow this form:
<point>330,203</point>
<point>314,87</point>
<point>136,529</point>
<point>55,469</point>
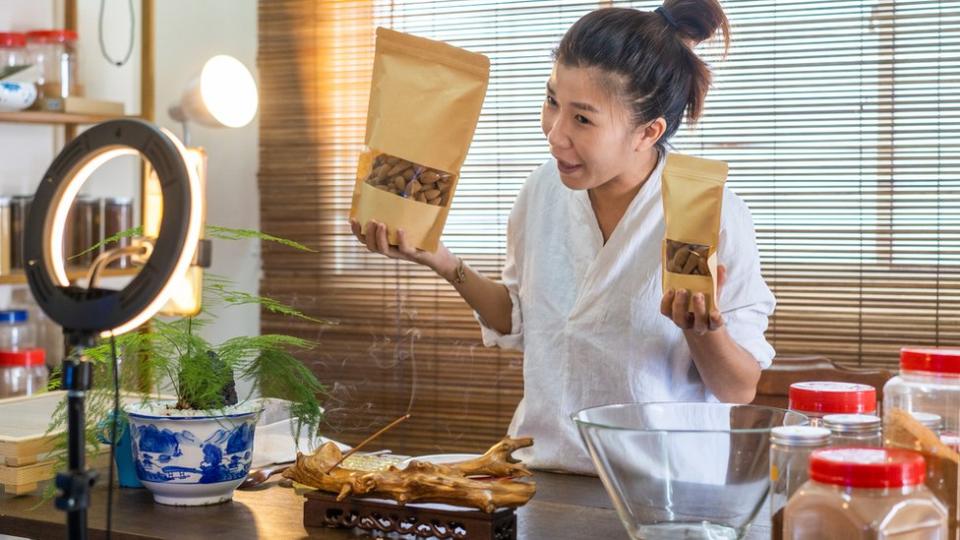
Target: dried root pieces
<point>426,482</point>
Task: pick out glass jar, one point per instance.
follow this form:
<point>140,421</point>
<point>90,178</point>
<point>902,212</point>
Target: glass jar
<point>790,449</point>
<point>929,381</point>
<point>83,231</point>
<point>13,50</point>
<point>22,373</point>
<point>55,53</point>
<point>5,248</point>
<point>865,493</point>
<point>118,217</point>
<point>854,430</point>
<point>933,422</point>
<point>19,208</point>
<point>817,399</point>
<point>15,330</point>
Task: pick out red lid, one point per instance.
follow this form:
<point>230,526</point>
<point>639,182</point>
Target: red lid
<point>827,397</point>
<point>12,39</point>
<point>22,358</point>
<point>867,467</point>
<point>52,36</point>
<point>930,359</point>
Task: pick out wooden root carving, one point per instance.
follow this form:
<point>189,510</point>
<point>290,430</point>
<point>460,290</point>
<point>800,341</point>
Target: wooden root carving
<point>425,482</point>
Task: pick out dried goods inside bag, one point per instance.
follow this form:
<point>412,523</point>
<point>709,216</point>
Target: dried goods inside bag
<point>410,180</point>
<point>689,259</point>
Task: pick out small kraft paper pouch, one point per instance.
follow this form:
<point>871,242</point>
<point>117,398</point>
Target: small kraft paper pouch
<point>692,190</point>
<point>425,101</point>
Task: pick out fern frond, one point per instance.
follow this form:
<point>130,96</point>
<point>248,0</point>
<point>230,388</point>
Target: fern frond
<point>129,233</point>
<point>279,374</point>
<point>226,233</point>
<point>240,298</point>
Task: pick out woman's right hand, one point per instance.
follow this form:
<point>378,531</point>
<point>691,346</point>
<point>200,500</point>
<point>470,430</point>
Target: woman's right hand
<point>442,262</point>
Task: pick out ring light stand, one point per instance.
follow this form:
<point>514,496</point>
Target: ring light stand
<point>88,312</point>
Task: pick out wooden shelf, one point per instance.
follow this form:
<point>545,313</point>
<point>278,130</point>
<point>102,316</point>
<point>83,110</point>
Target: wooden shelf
<point>45,117</point>
<point>16,278</point>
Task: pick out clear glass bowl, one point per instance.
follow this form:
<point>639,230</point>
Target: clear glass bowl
<point>683,470</point>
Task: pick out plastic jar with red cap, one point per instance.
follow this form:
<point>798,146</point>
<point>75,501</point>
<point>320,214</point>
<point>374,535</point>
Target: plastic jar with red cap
<point>13,50</point>
<point>865,493</point>
<point>55,52</point>
<point>929,382</point>
<point>22,372</point>
<point>817,399</point>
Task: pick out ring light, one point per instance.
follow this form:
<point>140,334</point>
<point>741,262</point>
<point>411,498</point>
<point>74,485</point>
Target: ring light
<point>99,310</point>
<point>85,312</point>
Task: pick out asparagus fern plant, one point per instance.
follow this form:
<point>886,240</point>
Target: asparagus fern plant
<point>173,357</point>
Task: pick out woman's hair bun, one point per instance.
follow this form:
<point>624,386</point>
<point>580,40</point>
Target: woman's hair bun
<point>697,20</point>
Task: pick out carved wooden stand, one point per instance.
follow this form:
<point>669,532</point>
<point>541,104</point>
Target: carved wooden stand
<point>381,518</point>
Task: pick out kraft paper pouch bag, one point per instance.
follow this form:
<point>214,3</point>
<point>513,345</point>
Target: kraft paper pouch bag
<point>425,100</point>
<point>692,190</point>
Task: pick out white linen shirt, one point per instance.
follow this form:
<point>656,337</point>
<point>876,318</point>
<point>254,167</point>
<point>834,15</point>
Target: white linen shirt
<point>587,314</point>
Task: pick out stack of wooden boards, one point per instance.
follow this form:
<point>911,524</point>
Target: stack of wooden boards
<point>25,447</point>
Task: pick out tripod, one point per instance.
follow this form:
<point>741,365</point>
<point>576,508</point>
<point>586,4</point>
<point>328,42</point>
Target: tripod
<point>76,483</point>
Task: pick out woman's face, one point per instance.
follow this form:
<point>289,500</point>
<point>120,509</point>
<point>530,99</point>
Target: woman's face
<point>589,130</point>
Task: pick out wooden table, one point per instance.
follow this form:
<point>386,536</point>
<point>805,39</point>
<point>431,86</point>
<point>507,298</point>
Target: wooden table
<point>566,507</point>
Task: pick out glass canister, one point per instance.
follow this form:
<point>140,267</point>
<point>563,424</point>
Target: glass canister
<point>790,449</point>
<point>22,373</point>
<point>929,382</point>
<point>13,50</point>
<point>118,217</point>
<point>854,430</point>
<point>5,248</point>
<point>15,330</point>
<point>83,230</point>
<point>55,53</point>
<point>817,399</point>
<point>865,493</point>
<point>19,208</point>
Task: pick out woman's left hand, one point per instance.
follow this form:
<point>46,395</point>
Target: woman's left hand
<point>674,306</point>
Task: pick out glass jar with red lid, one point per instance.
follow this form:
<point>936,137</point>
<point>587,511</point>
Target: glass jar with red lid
<point>55,53</point>
<point>22,372</point>
<point>13,50</point>
<point>929,382</point>
<point>817,399</point>
<point>865,493</point>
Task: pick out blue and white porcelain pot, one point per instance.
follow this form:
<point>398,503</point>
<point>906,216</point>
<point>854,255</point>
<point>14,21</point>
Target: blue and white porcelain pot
<point>16,96</point>
<point>192,458</point>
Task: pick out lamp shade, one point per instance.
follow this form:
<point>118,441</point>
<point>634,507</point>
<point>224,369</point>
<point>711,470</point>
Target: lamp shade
<point>224,94</point>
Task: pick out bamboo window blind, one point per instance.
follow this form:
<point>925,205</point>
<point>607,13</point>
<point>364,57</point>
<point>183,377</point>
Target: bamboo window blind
<point>839,120</point>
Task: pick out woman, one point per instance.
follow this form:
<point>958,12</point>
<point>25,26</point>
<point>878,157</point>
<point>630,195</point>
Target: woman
<point>580,293</point>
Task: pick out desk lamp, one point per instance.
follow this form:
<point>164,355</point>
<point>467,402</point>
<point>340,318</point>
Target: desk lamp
<point>223,94</point>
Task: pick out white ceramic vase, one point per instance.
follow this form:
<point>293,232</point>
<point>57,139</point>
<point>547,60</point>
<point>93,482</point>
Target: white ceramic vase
<point>192,458</point>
